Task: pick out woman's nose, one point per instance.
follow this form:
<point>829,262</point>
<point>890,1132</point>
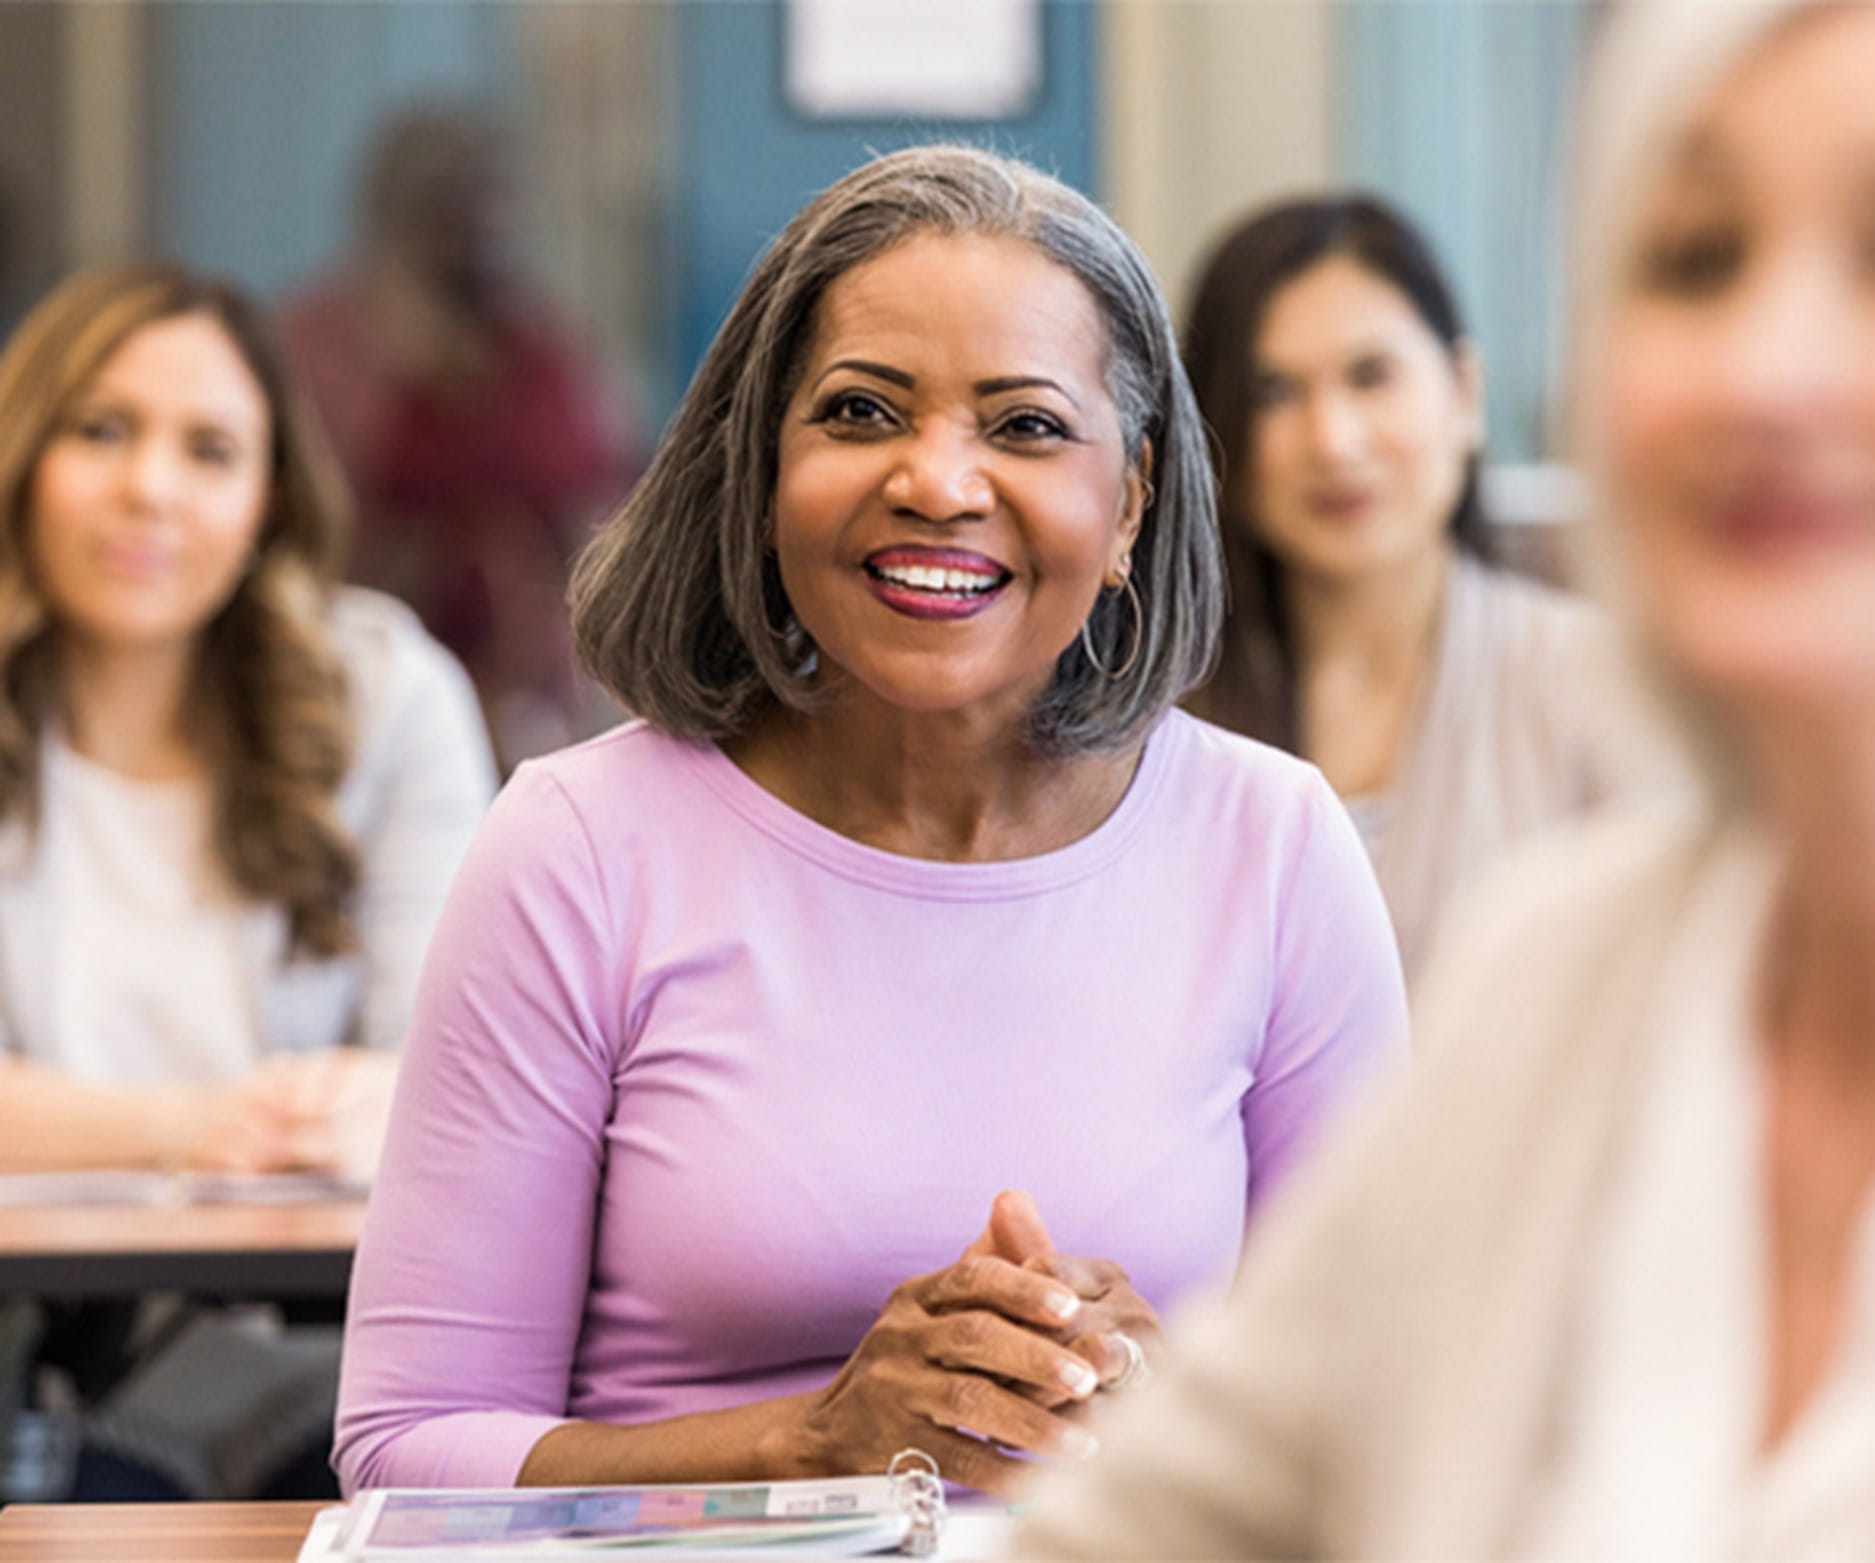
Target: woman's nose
<point>940,476</point>
<point>1797,338</point>
<point>1335,426</point>
<point>152,473</point>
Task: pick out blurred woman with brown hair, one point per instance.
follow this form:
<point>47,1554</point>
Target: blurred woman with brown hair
<point>231,794</point>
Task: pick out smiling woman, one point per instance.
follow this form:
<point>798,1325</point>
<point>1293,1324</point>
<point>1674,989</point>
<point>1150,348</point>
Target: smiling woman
<point>909,888</point>
<point>231,794</point>
<point>218,860</point>
<point>948,509</point>
<point>177,418</point>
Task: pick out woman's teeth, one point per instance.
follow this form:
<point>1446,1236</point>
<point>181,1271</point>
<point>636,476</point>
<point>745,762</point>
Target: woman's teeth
<point>937,578</point>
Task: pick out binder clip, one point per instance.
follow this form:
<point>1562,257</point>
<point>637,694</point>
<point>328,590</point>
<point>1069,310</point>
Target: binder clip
<point>918,1491</point>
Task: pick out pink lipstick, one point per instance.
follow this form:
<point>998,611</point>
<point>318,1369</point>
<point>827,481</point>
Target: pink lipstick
<point>935,583</point>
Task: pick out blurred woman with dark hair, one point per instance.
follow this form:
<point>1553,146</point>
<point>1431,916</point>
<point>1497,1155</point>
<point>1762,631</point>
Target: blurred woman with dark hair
<point>1450,703</point>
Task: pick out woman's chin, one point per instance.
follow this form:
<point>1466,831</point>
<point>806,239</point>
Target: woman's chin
<point>1788,672</point>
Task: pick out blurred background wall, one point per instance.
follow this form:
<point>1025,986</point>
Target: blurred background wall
<point>659,147</point>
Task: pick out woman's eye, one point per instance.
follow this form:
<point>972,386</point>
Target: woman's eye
<point>1693,264</point>
<point>99,428</point>
<point>1270,391</point>
<point>853,410</point>
<point>1371,374</point>
<point>1031,428</point>
<point>213,450</point>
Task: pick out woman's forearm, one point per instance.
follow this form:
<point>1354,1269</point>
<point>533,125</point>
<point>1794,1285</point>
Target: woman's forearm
<point>770,1440</point>
<point>50,1121</point>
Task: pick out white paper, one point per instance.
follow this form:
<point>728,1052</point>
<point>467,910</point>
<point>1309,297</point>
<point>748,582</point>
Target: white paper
<point>174,1188</point>
<point>915,59</point>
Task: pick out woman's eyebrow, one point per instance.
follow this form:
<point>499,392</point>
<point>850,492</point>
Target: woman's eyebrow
<point>1022,382</point>
<point>877,371</point>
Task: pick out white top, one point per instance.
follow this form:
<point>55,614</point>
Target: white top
<point>1656,1457</point>
<point>124,953</point>
<point>1518,731</point>
<point>1372,813</point>
<point>151,985</point>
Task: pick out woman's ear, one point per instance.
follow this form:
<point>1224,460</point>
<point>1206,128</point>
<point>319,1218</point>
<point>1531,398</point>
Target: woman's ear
<point>1136,500</point>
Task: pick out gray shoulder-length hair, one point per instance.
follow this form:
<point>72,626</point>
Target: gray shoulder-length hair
<point>677,610</point>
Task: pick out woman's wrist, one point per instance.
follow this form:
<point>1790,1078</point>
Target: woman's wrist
<point>793,1444</point>
<point>173,1115</point>
<point>772,1440</point>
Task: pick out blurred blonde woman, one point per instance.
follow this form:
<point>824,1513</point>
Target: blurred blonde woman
<point>232,796</point>
<point>1603,1284</point>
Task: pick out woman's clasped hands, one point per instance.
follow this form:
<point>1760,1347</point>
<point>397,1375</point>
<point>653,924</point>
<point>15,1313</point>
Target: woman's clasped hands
<point>313,1112</point>
<point>987,1364</point>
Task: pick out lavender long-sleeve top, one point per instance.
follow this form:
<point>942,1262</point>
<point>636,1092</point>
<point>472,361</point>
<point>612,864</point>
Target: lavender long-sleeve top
<point>693,1082</point>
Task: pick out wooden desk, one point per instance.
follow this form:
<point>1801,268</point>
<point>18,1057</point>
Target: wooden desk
<point>123,1250</point>
<point>154,1532</point>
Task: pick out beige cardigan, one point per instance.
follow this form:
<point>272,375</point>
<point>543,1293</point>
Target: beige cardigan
<point>1381,1383</point>
<point>1520,729</point>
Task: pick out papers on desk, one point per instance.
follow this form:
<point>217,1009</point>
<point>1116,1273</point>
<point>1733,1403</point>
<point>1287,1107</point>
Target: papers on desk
<point>842,1518</point>
<point>175,1188</point>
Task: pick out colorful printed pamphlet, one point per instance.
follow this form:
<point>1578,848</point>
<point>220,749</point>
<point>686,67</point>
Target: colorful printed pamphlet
<point>839,1518</point>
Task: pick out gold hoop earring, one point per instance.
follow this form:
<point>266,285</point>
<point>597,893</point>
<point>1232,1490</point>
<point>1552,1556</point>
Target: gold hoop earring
<point>1113,675</point>
<point>798,650</point>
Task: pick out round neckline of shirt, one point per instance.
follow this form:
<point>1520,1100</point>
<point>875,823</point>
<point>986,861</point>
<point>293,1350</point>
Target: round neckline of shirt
<point>176,792</point>
<point>927,878</point>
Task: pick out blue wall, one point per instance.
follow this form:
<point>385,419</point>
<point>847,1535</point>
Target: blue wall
<point>746,162</point>
<point>260,110</point>
<point>1454,109</point>
<point>259,113</point>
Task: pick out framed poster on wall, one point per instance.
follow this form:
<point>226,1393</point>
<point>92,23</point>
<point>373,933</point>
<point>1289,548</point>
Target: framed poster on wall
<point>913,59</point>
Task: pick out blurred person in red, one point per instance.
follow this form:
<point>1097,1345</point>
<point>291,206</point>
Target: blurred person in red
<point>480,444</point>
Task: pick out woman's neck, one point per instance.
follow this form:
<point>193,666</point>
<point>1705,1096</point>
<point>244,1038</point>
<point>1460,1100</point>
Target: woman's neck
<point>930,787</point>
<point>132,712</point>
<point>1372,621</point>
<point>1815,779</point>
<point>1364,651</point>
